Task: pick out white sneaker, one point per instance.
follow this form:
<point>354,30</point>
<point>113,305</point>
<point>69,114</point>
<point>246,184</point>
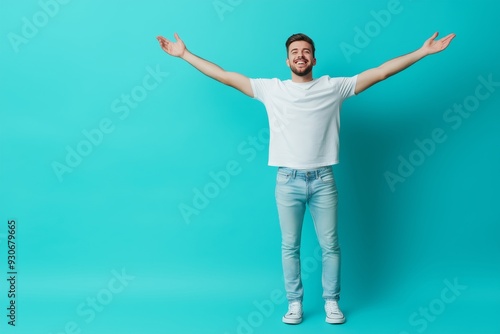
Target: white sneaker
<point>333,313</point>
<point>294,314</point>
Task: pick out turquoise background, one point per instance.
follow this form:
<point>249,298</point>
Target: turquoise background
<point>119,208</point>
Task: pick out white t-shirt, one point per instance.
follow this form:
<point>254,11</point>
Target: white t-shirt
<point>304,119</point>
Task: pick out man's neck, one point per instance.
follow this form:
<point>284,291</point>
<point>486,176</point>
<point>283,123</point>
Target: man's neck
<point>302,79</point>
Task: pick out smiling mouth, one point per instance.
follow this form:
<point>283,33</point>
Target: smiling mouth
<point>301,62</point>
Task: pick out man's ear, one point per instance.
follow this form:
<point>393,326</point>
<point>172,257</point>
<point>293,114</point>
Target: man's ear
<point>287,62</point>
<point>314,61</point>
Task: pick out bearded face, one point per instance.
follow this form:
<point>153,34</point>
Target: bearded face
<point>300,58</point>
<point>301,67</point>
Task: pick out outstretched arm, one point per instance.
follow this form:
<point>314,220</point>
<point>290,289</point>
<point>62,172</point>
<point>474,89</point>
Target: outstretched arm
<point>370,77</point>
<point>178,49</point>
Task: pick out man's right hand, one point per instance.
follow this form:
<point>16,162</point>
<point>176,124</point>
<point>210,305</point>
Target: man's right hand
<point>176,49</point>
<point>233,79</point>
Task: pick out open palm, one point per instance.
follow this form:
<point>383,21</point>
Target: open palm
<point>175,49</point>
<point>432,46</point>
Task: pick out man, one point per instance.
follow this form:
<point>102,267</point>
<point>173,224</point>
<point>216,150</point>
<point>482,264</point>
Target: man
<point>304,121</point>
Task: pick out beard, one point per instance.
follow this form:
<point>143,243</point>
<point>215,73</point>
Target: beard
<point>301,72</point>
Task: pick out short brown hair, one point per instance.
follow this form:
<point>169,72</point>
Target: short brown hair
<point>300,37</point>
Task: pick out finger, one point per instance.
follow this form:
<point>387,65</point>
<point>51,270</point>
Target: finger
<point>177,38</point>
<point>447,40</point>
<point>433,37</point>
<point>449,37</point>
<point>163,41</point>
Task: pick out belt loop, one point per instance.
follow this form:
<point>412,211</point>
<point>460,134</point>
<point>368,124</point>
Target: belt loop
<point>317,173</point>
<point>294,173</point>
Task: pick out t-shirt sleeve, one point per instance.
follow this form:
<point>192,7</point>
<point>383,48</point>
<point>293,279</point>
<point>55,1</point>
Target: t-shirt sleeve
<point>346,86</point>
<point>261,88</point>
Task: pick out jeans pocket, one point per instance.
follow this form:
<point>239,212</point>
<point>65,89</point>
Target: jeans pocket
<point>327,178</point>
<point>283,178</point>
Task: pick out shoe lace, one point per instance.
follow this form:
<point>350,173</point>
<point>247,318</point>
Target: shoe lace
<point>332,307</point>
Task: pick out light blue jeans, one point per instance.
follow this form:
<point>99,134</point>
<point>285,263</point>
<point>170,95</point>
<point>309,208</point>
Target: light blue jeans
<point>294,190</point>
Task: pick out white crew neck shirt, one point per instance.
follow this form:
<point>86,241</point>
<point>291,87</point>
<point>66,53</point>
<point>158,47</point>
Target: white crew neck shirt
<point>304,119</point>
